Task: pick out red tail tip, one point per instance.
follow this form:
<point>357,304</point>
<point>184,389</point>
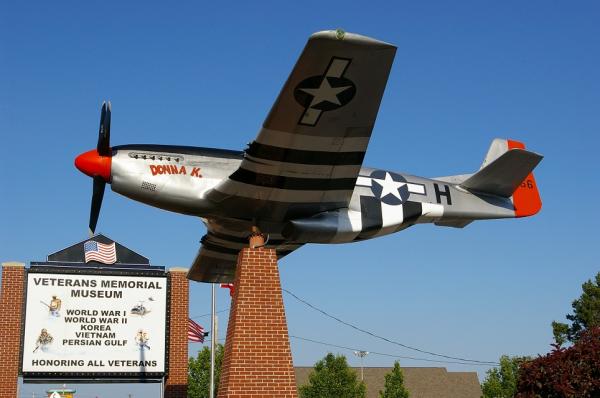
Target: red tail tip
<point>526,199</point>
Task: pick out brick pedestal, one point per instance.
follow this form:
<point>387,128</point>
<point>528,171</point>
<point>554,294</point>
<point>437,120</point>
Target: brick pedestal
<point>257,360</point>
<point>11,302</point>
<point>177,377</point>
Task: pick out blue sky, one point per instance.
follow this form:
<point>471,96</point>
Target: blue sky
<point>207,74</point>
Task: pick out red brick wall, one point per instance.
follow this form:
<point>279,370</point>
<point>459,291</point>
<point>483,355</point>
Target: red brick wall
<point>257,360</point>
<point>11,302</point>
<point>177,378</point>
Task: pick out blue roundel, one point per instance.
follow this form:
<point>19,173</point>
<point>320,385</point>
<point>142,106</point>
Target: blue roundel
<point>390,188</point>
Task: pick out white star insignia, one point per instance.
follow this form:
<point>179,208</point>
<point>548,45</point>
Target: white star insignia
<point>388,185</point>
<point>325,93</point>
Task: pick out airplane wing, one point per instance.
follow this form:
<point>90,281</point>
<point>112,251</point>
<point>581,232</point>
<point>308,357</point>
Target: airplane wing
<point>309,151</point>
<point>217,258</point>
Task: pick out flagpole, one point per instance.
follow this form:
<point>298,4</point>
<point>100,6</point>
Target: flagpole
<point>213,340</point>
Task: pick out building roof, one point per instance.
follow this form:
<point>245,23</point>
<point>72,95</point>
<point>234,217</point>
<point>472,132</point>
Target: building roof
<point>420,382</point>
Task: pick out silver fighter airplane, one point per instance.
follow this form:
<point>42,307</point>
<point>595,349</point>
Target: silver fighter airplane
<point>301,180</point>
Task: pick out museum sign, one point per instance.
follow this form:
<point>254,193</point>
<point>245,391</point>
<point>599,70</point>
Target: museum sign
<point>95,321</point>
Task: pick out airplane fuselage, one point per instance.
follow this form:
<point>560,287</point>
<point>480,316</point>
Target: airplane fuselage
<point>178,178</point>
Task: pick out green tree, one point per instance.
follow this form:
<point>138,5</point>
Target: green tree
<point>586,314</point>
<point>502,382</point>
<point>394,384</point>
<point>332,378</point>
<point>199,372</point>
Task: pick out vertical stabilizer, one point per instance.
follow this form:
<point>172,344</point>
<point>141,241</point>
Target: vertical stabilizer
<point>498,147</point>
<point>526,198</point>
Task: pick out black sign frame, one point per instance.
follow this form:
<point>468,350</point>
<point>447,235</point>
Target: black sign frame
<point>95,377</point>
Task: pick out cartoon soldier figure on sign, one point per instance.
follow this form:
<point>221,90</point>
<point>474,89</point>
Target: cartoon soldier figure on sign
<point>55,304</point>
<point>54,307</point>
<point>43,340</point>
<point>141,338</point>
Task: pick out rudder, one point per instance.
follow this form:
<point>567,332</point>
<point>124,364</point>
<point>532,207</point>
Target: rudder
<point>526,198</point>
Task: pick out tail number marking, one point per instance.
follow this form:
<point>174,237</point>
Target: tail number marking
<point>439,193</point>
<point>527,184</point>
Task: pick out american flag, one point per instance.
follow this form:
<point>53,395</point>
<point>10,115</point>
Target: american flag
<point>196,332</point>
<point>228,286</point>
<point>100,252</point>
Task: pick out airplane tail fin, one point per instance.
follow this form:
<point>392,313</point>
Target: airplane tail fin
<point>507,171</point>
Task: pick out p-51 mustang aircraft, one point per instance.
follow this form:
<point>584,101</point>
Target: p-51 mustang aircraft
<point>302,180</point>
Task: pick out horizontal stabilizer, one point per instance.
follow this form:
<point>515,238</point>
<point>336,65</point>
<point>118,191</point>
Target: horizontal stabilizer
<point>502,176</point>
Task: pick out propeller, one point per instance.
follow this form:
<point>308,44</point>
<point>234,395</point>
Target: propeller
<point>97,195</point>
<point>103,149</point>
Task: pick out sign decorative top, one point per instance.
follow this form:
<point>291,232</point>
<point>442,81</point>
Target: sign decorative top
<point>96,252</point>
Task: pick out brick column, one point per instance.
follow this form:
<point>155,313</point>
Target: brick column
<point>11,303</point>
<point>177,377</point>
<point>257,361</point>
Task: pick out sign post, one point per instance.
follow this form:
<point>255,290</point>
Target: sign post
<point>11,303</point>
<point>213,341</point>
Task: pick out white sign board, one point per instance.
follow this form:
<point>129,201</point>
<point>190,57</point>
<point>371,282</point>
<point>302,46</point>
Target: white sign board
<point>94,324</point>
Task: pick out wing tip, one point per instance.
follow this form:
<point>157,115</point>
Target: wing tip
<point>340,34</point>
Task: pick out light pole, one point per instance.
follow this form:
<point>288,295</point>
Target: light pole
<point>361,355</point>
<point>213,341</point>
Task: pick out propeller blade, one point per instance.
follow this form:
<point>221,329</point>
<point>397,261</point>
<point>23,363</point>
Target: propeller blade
<point>97,195</point>
<point>103,147</point>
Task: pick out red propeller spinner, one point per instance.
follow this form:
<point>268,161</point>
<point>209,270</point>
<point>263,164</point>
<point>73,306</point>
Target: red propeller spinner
<point>94,165</point>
